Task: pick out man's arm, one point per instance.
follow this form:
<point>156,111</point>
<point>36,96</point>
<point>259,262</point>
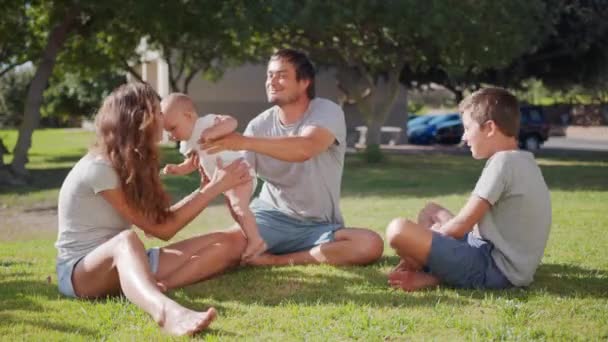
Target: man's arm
<point>466,219</point>
<point>312,142</point>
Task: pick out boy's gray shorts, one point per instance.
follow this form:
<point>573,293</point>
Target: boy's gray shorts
<point>66,268</point>
<point>466,263</point>
<point>285,234</point>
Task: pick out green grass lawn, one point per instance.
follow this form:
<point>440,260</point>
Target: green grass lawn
<point>568,300</point>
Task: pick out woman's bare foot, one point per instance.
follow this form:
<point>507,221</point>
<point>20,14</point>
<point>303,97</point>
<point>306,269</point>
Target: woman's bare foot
<point>179,321</point>
<point>255,247</point>
<point>411,280</point>
<point>264,259</point>
<point>162,287</point>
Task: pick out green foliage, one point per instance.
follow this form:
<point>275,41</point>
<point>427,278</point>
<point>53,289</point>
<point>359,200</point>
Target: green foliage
<point>567,53</point>
<point>13,88</point>
<point>14,23</point>
<point>415,107</point>
<point>75,96</point>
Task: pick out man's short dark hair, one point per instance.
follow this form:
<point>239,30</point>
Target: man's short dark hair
<point>304,68</point>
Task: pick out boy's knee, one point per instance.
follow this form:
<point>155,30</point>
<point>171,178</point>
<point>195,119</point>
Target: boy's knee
<point>397,230</point>
<point>430,208</point>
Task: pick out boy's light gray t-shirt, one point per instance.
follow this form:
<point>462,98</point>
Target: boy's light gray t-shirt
<point>308,190</point>
<point>519,221</point>
<point>86,219</point>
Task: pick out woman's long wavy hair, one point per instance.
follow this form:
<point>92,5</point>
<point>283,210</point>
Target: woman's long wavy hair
<point>128,129</point>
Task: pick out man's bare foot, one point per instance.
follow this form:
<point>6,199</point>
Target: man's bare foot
<point>179,321</point>
<point>264,259</point>
<point>255,247</point>
<point>411,280</point>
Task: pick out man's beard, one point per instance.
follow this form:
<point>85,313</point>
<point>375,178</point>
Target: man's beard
<point>281,102</point>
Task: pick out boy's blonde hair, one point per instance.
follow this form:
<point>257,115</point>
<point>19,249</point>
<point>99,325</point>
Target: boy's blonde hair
<point>496,104</point>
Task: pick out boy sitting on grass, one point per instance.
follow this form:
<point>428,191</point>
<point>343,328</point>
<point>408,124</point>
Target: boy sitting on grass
<point>498,238</point>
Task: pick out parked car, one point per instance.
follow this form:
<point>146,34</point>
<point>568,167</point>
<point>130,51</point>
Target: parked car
<point>422,130</point>
<point>449,132</point>
<point>448,129</point>
<point>418,120</point>
<point>533,129</point>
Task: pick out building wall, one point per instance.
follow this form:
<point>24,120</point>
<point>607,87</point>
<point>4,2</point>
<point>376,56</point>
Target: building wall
<point>240,92</point>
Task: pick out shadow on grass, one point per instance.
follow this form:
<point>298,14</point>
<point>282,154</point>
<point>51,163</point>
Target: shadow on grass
<point>571,281</point>
<point>559,280</point>
<point>402,175</point>
<point>8,320</point>
<point>438,175</point>
<point>367,286</point>
<point>39,179</point>
<point>13,263</point>
<point>26,295</point>
<point>65,158</point>
<point>311,285</point>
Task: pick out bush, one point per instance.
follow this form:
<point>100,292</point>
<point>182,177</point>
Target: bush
<point>13,91</point>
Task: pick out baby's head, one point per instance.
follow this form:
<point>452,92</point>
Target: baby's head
<point>179,116</point>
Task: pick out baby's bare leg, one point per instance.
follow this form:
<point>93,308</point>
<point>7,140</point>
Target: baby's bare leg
<point>239,198</point>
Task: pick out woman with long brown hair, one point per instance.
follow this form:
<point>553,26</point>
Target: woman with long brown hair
<point>116,185</point>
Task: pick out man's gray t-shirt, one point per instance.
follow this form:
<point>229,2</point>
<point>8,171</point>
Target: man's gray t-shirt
<point>308,190</point>
<point>519,220</point>
<point>86,219</point>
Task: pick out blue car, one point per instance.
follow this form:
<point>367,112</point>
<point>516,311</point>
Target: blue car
<point>423,132</point>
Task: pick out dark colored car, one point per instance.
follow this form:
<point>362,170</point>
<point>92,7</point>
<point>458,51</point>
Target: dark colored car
<point>423,129</point>
<point>533,129</point>
<point>449,132</point>
<point>447,129</point>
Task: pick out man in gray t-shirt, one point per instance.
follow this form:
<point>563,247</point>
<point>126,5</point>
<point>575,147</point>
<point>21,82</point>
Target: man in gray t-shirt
<point>297,147</point>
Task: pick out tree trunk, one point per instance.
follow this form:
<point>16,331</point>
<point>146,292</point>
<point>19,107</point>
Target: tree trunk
<point>6,176</point>
<point>377,108</point>
<point>31,117</point>
<point>373,103</point>
<point>359,89</point>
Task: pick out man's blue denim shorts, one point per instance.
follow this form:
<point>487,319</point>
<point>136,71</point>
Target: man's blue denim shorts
<point>285,234</point>
<point>465,263</point>
<point>66,268</point>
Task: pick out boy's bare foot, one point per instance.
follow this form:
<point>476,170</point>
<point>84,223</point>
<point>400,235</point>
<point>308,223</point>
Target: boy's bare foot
<point>264,259</point>
<point>411,280</point>
<point>255,247</point>
<point>406,264</point>
<point>179,321</point>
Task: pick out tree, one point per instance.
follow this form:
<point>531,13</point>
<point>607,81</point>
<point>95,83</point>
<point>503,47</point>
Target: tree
<point>94,38</point>
<point>202,38</point>
<point>14,50</point>
<point>63,29</point>
<point>68,18</point>
<point>377,44</point>
<point>570,51</point>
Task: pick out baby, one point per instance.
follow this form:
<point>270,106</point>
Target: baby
<point>183,124</point>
